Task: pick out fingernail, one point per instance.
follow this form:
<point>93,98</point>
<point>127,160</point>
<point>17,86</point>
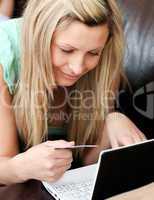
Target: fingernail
<point>72,142</point>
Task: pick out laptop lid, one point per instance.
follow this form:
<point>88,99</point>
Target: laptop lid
<point>123,169</point>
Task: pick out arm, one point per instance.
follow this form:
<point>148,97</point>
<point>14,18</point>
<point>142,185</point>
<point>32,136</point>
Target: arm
<point>91,156</point>
<point>8,136</point>
<point>42,162</point>
<point>118,131</point>
<point>103,142</point>
<point>6,7</point>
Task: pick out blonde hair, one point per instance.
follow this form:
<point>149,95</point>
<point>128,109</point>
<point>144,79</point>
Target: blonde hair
<point>41,18</point>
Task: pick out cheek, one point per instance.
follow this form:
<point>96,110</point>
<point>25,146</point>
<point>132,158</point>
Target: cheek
<point>91,62</point>
<point>58,60</point>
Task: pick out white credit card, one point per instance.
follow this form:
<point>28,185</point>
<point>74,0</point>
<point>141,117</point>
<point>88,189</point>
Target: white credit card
<point>79,146</point>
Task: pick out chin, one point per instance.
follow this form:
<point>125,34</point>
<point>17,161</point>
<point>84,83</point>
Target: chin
<point>66,83</point>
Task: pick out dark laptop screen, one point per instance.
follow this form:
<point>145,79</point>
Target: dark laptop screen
<point>124,169</point>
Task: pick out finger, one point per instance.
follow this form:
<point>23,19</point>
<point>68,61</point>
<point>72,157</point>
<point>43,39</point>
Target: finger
<point>126,140</point>
<point>141,135</point>
<point>59,144</point>
<point>138,134</point>
<point>114,143</point>
<point>63,162</point>
<point>61,154</point>
<point>131,136</point>
<point>58,172</point>
<point>136,137</point>
<point>63,169</point>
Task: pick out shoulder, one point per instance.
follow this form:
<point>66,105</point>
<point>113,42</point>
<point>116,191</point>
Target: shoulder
<point>10,32</point>
<point>10,50</point>
<point>11,23</point>
<point>12,29</point>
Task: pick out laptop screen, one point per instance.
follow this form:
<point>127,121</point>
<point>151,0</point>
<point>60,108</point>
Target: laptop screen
<point>124,169</point>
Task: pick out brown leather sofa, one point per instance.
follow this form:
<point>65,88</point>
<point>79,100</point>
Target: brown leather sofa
<point>139,63</point>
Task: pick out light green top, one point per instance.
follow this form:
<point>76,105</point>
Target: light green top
<point>10,34</point>
<point>10,51</point>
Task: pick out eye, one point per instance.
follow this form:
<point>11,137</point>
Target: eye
<point>67,50</point>
<point>94,53</point>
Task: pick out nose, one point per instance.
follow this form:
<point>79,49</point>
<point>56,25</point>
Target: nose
<point>76,65</point>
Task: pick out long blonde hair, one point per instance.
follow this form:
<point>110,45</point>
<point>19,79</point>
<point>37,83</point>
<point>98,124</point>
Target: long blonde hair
<point>41,18</point>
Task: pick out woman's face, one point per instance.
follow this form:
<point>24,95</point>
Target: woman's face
<point>76,50</point>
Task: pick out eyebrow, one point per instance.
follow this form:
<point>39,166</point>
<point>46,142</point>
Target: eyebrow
<point>70,46</point>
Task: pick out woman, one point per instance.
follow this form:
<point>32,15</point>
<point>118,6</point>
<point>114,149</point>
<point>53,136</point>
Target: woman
<point>59,77</point>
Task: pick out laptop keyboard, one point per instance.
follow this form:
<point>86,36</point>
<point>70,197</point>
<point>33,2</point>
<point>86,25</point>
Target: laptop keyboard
<point>75,191</point>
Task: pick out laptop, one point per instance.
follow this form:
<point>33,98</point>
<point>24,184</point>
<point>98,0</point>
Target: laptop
<point>118,170</point>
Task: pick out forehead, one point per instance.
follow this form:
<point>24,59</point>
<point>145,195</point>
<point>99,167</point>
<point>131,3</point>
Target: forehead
<point>82,36</point>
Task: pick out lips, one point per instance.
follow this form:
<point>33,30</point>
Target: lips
<point>70,76</point>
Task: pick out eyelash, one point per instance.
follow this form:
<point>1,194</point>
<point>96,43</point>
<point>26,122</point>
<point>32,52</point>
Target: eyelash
<point>70,51</point>
<point>94,54</point>
<point>67,51</point>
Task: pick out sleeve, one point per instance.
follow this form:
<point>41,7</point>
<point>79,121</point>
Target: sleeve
<point>7,59</point>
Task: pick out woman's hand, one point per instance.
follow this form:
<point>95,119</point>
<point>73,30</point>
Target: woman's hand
<point>120,131</point>
<point>44,162</point>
